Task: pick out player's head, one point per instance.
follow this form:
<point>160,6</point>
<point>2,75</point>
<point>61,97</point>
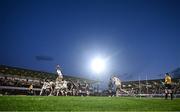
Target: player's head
<point>58,66</point>
<point>167,74</point>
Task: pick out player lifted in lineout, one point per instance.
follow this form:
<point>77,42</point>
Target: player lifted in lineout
<point>59,73</point>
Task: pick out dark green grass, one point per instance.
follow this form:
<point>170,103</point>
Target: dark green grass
<point>70,103</point>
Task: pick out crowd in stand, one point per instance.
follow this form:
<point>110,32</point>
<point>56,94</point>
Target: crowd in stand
<point>150,87</point>
<point>14,77</point>
<point>19,82</point>
<point>27,83</point>
<point>26,73</point>
<point>145,87</point>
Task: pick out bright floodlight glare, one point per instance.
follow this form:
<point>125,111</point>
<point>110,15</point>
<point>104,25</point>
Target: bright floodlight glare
<point>98,65</point>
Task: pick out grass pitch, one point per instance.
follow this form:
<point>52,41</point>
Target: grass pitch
<point>74,103</point>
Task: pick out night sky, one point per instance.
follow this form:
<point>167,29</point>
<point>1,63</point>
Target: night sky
<point>138,37</point>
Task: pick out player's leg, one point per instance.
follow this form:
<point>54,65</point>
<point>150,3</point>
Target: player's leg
<point>110,93</point>
<point>166,91</point>
<point>31,92</point>
<point>171,95</point>
<point>51,91</point>
<point>117,91</point>
<point>170,91</point>
<point>57,92</point>
<point>41,91</point>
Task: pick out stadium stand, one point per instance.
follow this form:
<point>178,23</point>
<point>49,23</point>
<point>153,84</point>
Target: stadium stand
<point>14,80</point>
<point>150,87</point>
<point>153,88</point>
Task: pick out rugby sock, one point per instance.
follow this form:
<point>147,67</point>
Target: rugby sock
<point>166,96</point>
<point>171,96</point>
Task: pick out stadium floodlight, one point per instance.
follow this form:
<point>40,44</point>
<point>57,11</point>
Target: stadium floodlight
<point>98,65</point>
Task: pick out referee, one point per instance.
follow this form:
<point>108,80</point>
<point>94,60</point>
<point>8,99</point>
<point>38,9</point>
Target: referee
<point>168,86</point>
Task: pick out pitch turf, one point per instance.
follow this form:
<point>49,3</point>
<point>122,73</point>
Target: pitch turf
<point>74,103</point>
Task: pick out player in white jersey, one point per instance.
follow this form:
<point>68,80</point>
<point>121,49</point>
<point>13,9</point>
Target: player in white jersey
<point>117,82</point>
<point>44,87</point>
<point>52,85</point>
<point>59,73</point>
<point>118,87</point>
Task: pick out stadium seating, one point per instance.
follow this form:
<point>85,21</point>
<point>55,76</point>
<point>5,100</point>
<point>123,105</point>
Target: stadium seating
<point>150,86</point>
<point>18,77</point>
